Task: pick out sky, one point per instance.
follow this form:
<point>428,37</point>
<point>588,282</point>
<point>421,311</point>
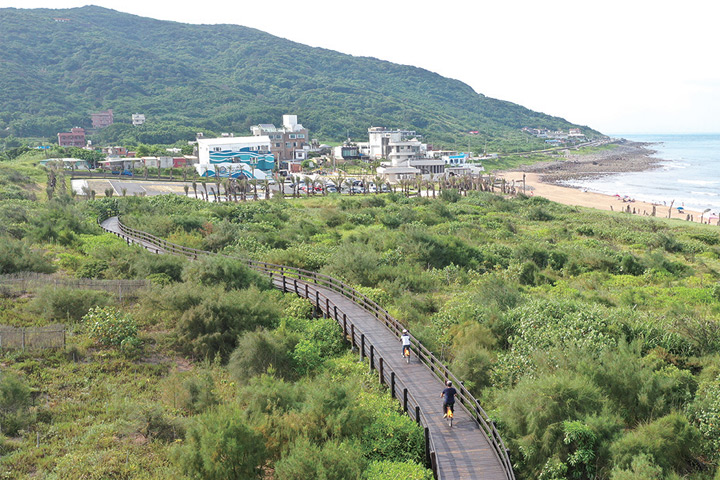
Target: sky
<point>620,67</point>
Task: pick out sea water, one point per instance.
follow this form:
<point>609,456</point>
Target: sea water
<point>688,173</point>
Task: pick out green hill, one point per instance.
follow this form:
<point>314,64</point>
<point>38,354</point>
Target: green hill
<point>58,66</point>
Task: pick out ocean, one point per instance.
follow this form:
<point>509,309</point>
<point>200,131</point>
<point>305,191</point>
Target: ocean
<point>689,173</point>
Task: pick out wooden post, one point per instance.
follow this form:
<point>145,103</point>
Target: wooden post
<point>405,395</point>
<point>307,294</point>
<point>345,325</point>
<point>335,310</point>
<point>380,369</point>
<point>392,384</point>
<point>352,334</point>
<point>296,286</point>
<point>327,307</point>
<point>284,288</point>
<point>417,414</point>
<point>427,447</point>
<point>372,357</point>
<point>362,346</point>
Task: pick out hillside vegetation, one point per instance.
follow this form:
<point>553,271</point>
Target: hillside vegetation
<point>221,78</point>
<point>592,338</point>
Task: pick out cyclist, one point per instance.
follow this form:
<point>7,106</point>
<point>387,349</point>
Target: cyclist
<point>448,398</point>
<point>405,338</point>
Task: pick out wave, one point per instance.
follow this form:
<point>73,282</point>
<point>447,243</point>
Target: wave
<point>700,183</point>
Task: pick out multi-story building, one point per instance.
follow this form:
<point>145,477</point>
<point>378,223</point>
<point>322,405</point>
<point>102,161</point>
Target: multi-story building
<point>380,139</point>
<point>138,118</point>
<point>74,138</point>
<point>289,142</point>
<point>102,119</point>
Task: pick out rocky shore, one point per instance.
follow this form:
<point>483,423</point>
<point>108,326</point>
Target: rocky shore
<point>624,157</point>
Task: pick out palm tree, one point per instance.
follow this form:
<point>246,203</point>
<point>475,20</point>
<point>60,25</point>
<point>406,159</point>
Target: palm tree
<point>309,185</point>
<point>349,183</point>
<point>377,180</point>
<point>194,185</point>
<point>186,187</point>
<point>204,184</point>
<point>266,187</point>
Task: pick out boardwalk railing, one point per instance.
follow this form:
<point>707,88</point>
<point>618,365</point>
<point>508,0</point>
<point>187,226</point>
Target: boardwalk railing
<point>297,280</point>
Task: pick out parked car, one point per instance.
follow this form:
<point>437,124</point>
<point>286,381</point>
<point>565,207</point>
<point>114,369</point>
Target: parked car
<point>372,188</point>
<point>331,189</point>
<point>358,189</point>
<point>384,188</point>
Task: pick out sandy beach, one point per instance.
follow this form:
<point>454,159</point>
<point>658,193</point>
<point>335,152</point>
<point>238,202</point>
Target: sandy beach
<point>542,179</point>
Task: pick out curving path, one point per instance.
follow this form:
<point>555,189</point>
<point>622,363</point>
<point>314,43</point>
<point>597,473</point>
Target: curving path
<point>471,449</point>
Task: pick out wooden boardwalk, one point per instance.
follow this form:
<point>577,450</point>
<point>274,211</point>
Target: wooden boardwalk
<point>464,451</point>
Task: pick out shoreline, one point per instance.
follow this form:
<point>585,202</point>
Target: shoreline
<point>545,179</point>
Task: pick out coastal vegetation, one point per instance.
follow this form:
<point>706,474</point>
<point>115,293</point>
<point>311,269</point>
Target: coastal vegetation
<point>226,78</point>
<point>590,337</point>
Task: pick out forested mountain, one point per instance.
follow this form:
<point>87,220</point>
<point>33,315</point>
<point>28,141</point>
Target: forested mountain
<point>58,66</point>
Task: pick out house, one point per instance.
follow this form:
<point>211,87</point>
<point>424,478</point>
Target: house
<point>138,118</point>
<point>407,158</point>
<point>346,152</point>
<point>102,119</point>
<point>289,142</point>
<point>74,138</point>
<point>380,139</point>
<point>69,163</point>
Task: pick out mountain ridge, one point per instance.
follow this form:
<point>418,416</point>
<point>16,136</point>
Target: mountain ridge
<point>224,77</point>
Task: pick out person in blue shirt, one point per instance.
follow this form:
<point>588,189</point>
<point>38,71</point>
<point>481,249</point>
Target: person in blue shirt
<point>448,398</point>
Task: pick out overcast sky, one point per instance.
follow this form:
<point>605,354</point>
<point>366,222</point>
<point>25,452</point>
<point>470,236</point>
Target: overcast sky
<point>631,66</point>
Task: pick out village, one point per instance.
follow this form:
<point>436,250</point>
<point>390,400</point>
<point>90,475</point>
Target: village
<point>391,154</point>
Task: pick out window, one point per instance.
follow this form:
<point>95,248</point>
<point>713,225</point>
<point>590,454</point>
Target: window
<point>277,145</point>
<point>301,135</point>
<point>292,136</point>
<point>287,145</point>
<point>217,149</point>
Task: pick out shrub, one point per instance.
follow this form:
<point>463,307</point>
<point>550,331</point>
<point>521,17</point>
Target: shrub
<point>261,350</point>
<point>219,444</point>
<point>332,460</point>
<point>17,256</point>
<point>228,272</point>
<point>110,327</point>
<point>670,440</point>
<point>14,404</point>
<point>67,304</point>
<point>212,326</point>
<point>389,470</point>
<point>534,412</point>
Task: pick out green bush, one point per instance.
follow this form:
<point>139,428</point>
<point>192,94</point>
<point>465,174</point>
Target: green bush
<point>390,470</point>
<point>228,272</point>
<point>18,256</point>
<point>259,351</point>
<point>219,444</point>
<point>671,441</point>
<point>67,304</point>
<point>332,460</point>
<point>109,327</point>
<point>212,326</point>
<point>14,404</point>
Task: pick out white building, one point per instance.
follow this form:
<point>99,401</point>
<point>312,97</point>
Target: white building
<point>138,118</point>
<point>380,139</point>
<point>407,158</point>
<point>254,152</point>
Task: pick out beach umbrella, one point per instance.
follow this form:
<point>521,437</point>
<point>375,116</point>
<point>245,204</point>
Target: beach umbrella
<point>680,209</point>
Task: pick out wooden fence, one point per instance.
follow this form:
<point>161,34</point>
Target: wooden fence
<point>32,338</point>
